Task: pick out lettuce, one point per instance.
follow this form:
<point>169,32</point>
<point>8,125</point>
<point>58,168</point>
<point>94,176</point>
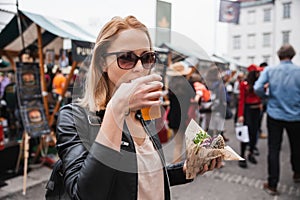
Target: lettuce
<point>200,137</point>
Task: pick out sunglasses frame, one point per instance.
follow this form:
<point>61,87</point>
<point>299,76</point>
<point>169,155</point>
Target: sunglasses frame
<point>137,58</point>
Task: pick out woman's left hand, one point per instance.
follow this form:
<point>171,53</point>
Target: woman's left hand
<point>215,163</point>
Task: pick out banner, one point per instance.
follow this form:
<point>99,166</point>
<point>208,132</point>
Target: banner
<point>30,99</point>
<point>28,82</point>
<point>229,11</point>
<point>163,22</point>
<point>34,119</point>
<point>80,50</point>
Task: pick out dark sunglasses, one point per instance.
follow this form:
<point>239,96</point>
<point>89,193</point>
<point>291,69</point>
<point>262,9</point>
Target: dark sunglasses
<point>127,60</point>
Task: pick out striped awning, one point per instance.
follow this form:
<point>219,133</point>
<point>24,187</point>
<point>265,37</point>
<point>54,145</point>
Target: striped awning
<point>53,32</point>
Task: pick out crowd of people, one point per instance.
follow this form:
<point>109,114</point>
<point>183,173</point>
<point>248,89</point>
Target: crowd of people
<point>273,90</point>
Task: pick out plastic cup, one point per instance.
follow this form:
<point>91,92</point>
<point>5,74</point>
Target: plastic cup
<point>150,113</point>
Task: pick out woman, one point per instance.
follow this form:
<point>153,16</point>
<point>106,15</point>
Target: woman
<point>249,110</point>
<point>107,150</point>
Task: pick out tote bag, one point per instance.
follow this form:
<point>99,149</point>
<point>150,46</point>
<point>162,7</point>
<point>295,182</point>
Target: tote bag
<point>241,132</point>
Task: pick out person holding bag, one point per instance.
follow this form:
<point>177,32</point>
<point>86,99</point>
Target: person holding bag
<point>249,110</point>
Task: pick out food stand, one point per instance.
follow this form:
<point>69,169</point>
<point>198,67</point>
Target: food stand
<point>27,30</point>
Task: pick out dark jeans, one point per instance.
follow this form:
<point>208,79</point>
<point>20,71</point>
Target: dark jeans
<point>251,117</point>
<point>260,119</point>
<point>275,130</point>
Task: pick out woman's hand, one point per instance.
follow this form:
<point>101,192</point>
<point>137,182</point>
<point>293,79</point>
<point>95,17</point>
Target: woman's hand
<point>215,163</point>
<point>129,96</point>
<point>138,93</point>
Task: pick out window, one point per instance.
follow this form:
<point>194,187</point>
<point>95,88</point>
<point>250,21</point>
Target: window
<point>266,39</point>
<point>251,17</point>
<point>251,59</point>
<point>267,15</point>
<point>251,41</point>
<point>237,58</point>
<point>286,10</point>
<point>266,58</point>
<point>285,37</point>
<point>237,42</point>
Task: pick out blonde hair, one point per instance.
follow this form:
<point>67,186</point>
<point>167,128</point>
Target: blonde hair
<point>97,92</point>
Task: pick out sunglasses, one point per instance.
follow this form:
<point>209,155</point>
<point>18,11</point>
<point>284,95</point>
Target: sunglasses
<point>127,60</point>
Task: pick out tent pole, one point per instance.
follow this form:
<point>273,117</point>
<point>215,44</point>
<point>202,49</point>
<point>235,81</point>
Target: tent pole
<point>42,73</point>
<point>26,156</point>
<point>57,106</point>
<point>19,25</point>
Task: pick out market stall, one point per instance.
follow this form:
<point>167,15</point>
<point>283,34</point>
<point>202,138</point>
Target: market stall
<point>39,33</point>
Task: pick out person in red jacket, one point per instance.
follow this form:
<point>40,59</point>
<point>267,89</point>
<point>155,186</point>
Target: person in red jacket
<point>249,110</point>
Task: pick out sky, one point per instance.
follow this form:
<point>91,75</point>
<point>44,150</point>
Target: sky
<point>195,19</point>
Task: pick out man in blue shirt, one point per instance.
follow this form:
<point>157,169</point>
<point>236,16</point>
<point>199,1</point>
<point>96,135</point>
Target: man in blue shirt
<point>281,84</point>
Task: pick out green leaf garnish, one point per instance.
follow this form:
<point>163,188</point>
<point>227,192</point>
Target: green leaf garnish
<point>200,137</point>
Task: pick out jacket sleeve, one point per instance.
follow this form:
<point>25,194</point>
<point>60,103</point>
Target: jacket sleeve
<point>84,170</point>
<point>176,174</point>
<point>259,84</point>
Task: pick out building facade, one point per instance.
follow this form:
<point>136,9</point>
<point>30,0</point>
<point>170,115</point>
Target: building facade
<point>263,27</point>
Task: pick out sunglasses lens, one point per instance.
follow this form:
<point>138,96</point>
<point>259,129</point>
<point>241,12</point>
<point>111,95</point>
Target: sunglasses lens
<point>148,60</point>
<point>127,60</point>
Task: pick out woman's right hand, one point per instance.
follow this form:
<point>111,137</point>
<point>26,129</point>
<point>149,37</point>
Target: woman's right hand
<point>138,93</point>
<point>132,95</point>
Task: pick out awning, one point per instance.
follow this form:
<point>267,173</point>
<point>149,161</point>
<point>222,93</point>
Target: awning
<point>233,63</point>
<point>5,17</point>
<point>61,28</point>
<point>181,52</point>
<point>53,32</point>
<point>216,59</point>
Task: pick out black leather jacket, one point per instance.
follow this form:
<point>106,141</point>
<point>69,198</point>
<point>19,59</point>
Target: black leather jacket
<point>94,171</point>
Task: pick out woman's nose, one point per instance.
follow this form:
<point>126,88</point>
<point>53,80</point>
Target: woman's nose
<point>138,66</point>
